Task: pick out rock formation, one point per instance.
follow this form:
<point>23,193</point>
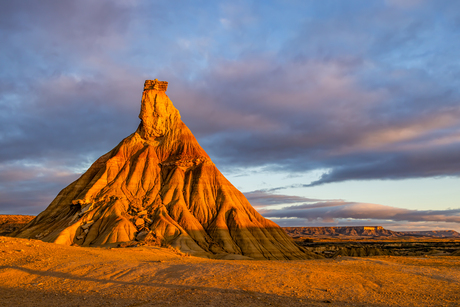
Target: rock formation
<point>364,231</point>
<point>351,231</point>
<point>159,185</point>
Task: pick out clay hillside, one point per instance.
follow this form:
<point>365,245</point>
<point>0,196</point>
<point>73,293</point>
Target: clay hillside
<point>159,185</point>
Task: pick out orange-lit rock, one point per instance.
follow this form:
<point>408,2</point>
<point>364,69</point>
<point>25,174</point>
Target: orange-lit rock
<point>160,181</point>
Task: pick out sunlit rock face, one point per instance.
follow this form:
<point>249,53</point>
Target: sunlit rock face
<point>159,183</point>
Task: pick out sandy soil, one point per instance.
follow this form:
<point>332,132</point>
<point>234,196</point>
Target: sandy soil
<point>34,273</point>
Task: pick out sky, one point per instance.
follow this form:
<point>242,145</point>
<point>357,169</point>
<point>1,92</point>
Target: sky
<point>323,113</point>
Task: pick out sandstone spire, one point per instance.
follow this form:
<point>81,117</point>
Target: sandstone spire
<point>159,183</point>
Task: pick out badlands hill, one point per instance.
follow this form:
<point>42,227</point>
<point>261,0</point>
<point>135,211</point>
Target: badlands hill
<point>159,186</point>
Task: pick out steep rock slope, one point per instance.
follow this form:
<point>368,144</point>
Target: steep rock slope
<point>159,184</point>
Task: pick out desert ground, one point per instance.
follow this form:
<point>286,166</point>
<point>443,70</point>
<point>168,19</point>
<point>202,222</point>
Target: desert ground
<point>35,273</point>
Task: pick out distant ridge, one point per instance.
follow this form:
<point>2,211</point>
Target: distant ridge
<point>365,231</point>
<point>434,233</point>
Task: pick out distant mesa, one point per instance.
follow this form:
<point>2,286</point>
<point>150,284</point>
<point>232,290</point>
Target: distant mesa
<point>364,231</point>
<point>158,186</point>
<point>351,231</point>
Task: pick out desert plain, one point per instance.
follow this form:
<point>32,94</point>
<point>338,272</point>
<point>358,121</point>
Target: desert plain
<point>36,273</point>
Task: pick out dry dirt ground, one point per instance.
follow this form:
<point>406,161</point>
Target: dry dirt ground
<point>34,273</point>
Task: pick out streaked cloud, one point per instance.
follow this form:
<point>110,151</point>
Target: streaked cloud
<point>328,211</point>
<point>260,199</point>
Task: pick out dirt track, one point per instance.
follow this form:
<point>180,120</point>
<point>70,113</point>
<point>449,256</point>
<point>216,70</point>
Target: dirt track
<point>34,273</point>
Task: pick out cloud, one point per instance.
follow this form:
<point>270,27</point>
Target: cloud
<point>27,187</point>
<point>261,198</point>
<point>431,162</point>
<point>330,211</point>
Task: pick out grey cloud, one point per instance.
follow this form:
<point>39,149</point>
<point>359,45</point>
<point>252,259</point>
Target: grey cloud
<point>261,198</point>
<point>65,21</point>
<point>443,161</point>
<point>28,187</point>
<point>363,211</point>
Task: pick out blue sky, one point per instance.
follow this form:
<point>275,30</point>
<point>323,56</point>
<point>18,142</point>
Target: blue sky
<point>322,112</point>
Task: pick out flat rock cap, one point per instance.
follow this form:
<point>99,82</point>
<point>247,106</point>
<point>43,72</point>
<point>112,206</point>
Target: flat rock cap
<point>156,85</point>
